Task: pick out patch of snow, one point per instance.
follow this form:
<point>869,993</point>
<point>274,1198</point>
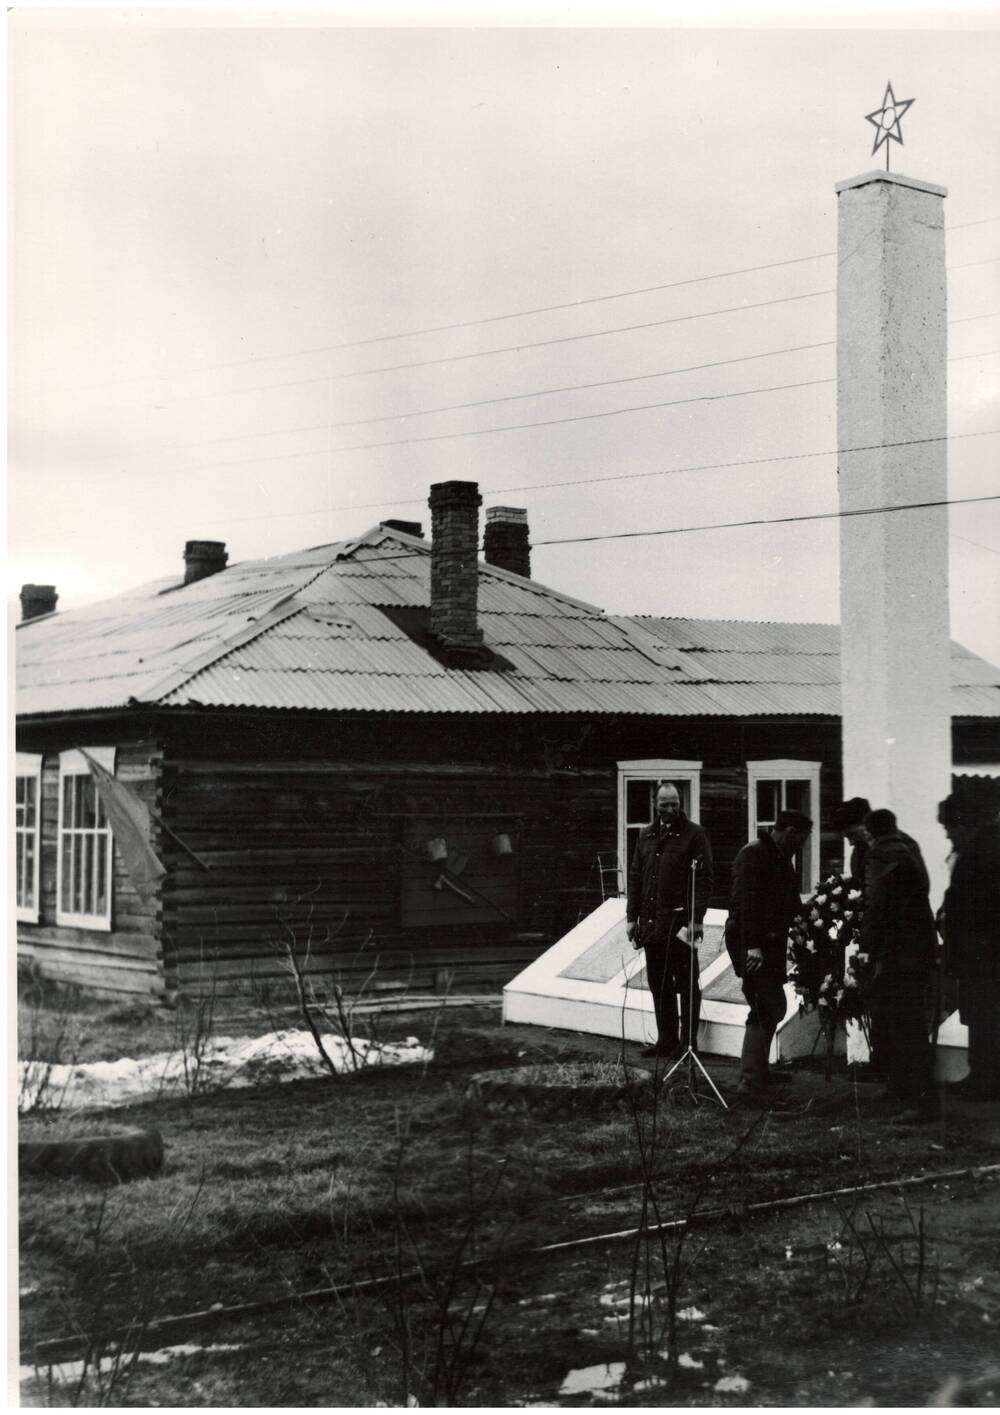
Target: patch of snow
<point>593,1378</point>
<point>690,1363</point>
<point>534,1301</point>
<point>736,1384</point>
<point>690,1314</point>
<point>237,1062</point>
<point>69,1372</point>
<point>651,1384</point>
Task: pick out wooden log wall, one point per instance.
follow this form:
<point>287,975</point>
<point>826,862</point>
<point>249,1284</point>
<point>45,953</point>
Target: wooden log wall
<point>313,828</point>
<point>325,857</point>
<point>127,959</point>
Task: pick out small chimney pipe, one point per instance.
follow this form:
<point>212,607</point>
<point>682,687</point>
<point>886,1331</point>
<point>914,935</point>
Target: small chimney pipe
<point>203,558</point>
<point>37,600</point>
<point>505,542</point>
<point>455,564</point>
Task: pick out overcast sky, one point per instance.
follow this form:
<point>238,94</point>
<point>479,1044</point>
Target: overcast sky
<point>219,230</point>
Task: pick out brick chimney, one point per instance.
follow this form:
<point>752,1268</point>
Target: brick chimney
<point>506,539</point>
<point>455,564</point>
<point>37,600</point>
<point>409,528</point>
<point>203,558</point>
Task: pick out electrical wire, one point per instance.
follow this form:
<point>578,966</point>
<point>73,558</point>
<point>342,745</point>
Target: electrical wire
<point>515,397</point>
<point>620,476</point>
<point>771,520</point>
<point>518,397</point>
<point>497,318</point>
<point>507,427</point>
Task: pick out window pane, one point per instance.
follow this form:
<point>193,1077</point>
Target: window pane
<point>87,802</point>
<point>22,871</point>
<point>30,801</point>
<point>638,802</point>
<point>21,789</point>
<point>69,797</point>
<point>66,893</point>
<point>101,886</point>
<point>79,866</point>
<point>631,836</point>
<point>797,795</point>
<point>768,799</point>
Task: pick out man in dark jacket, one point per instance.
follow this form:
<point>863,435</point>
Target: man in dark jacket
<point>849,819</point>
<point>970,924</point>
<point>670,879</point>
<point>764,899</point>
<point>899,941</point>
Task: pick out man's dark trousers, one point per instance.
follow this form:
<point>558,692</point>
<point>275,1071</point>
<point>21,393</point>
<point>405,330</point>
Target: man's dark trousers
<point>766,998</point>
<point>899,1001</point>
<point>669,964</point>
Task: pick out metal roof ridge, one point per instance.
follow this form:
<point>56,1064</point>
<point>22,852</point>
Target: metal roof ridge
<point>705,619</point>
<point>283,609</point>
<point>525,582</point>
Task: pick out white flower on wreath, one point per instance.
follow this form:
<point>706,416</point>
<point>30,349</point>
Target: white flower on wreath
<point>838,890</point>
<point>834,933</point>
<point>834,908</point>
<point>810,947</point>
<point>854,894</point>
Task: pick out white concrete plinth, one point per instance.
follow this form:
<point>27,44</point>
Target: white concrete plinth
<point>593,981</point>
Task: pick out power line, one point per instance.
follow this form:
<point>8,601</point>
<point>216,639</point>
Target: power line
<point>485,353</point>
<point>619,476</point>
<point>977,543</point>
<point>770,521</point>
<point>508,427</point>
<point>498,318</point>
<point>504,427</point>
<point>506,349</point>
<point>516,397</point>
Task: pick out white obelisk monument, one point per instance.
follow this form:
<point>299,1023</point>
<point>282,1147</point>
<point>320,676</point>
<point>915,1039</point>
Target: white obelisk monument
<point>891,431</point>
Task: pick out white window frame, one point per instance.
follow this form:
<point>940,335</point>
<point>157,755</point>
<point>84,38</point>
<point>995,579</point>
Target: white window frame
<point>655,769</point>
<point>29,764</point>
<point>788,769</point>
<point>72,763</point>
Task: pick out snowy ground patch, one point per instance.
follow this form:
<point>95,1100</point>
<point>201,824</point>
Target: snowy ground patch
<point>287,1055</point>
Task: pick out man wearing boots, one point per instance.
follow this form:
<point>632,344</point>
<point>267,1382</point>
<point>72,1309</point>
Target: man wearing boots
<point>764,899</point>
<point>670,879</point>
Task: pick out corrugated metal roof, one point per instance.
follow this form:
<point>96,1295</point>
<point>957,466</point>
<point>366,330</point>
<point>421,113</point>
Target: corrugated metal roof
<point>307,631</point>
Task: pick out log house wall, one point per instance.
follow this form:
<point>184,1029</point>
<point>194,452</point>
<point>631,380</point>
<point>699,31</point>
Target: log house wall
<point>128,959</point>
<point>303,823</point>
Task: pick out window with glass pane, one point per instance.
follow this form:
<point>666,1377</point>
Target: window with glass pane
<point>26,841</point>
<point>84,851</point>
<point>785,790</point>
<point>640,807</point>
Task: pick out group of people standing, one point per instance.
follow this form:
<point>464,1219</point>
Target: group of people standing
<point>900,957</point>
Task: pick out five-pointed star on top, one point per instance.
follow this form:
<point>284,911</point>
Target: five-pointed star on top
<point>886,119</point>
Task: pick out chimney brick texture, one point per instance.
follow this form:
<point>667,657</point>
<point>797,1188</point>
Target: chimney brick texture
<point>203,558</point>
<point>505,541</point>
<point>37,600</point>
<point>455,563</point>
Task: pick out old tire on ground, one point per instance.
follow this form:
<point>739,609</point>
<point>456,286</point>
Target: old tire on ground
<point>114,1158</point>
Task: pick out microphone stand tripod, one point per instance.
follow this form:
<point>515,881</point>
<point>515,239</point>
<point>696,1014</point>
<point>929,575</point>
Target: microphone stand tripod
<point>690,1056</point>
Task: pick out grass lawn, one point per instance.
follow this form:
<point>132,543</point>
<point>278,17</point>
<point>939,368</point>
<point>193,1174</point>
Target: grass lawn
<point>270,1193</point>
